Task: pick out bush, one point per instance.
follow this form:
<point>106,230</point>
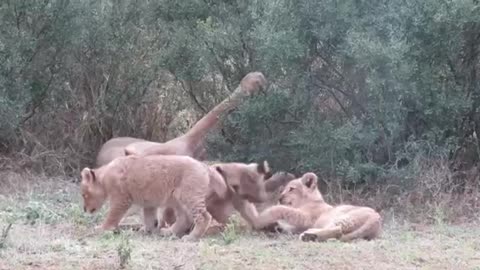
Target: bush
<point>358,90</point>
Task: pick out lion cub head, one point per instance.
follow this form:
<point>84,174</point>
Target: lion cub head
<point>246,180</point>
<point>93,193</point>
<point>301,191</point>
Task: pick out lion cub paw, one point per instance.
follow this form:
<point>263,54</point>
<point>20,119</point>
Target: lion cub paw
<point>166,232</point>
<point>189,238</point>
<point>307,236</point>
<point>146,230</point>
<point>103,228</point>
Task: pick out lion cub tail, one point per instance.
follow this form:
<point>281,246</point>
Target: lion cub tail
<point>217,183</point>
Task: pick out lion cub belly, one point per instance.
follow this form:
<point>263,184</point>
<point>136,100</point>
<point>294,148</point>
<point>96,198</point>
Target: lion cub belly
<point>153,195</point>
<point>161,200</point>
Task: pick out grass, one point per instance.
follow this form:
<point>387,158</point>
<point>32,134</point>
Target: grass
<point>50,231</point>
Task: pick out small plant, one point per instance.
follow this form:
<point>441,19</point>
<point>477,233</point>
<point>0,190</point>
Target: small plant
<point>3,237</point>
<point>124,251</point>
<point>37,211</point>
<point>229,235</point>
<point>75,213</point>
<point>440,214</point>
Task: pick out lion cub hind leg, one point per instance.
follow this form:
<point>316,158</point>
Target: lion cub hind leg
<point>168,216</point>
<point>356,224</point>
<point>191,210</point>
<point>321,235</point>
<point>150,221</point>
<point>196,211</point>
<point>201,221</point>
<point>370,228</point>
<point>182,223</point>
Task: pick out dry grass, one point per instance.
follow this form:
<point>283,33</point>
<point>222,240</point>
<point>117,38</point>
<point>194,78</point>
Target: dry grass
<point>50,231</point>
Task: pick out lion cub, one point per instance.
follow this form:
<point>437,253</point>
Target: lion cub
<point>249,185</point>
<point>179,182</point>
<point>303,210</point>
<point>245,183</point>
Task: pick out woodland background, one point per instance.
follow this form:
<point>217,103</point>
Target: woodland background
<point>377,97</point>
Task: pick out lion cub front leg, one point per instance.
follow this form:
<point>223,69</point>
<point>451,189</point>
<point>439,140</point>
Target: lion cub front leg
<point>247,210</point>
<point>118,209</point>
<point>293,219</point>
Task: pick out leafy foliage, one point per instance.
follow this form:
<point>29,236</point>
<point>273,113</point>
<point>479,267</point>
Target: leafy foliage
<point>358,89</point>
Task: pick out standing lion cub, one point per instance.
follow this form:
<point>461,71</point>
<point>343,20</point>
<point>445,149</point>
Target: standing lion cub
<point>303,210</point>
<point>179,182</point>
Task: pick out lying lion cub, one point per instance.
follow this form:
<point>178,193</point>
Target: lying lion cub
<point>179,182</point>
<point>304,211</point>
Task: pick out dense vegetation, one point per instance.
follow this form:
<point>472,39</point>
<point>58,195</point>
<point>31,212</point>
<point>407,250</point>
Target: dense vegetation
<point>361,91</point>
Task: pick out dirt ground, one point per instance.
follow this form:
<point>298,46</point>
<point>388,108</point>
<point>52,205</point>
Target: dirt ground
<point>50,231</point>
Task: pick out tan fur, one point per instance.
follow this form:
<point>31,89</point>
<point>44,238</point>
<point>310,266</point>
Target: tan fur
<point>191,143</point>
<point>179,182</point>
<point>303,210</point>
<point>114,148</point>
<point>246,183</point>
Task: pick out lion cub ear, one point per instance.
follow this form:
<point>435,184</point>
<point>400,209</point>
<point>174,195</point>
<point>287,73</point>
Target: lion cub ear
<point>88,175</point>
<point>219,169</point>
<point>264,168</point>
<point>310,180</point>
<point>128,152</point>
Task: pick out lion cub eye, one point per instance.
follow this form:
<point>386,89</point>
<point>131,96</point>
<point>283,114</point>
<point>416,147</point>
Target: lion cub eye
<point>291,189</point>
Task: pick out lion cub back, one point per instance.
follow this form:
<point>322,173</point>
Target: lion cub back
<point>153,180</point>
<point>114,148</point>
